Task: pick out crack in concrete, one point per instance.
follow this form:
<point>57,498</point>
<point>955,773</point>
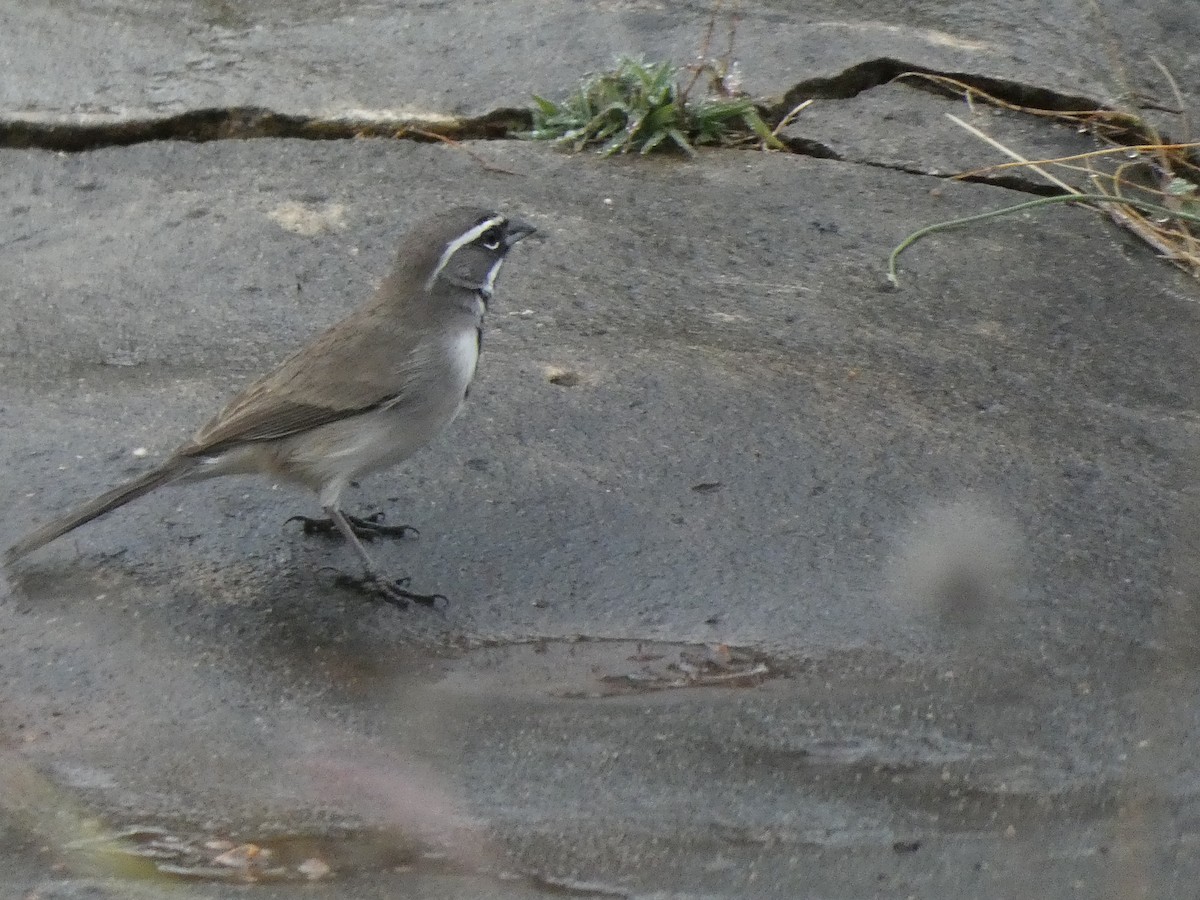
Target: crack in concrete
<point>818,150</point>
<point>1010,181</point>
<point>90,132</point>
<point>875,73</point>
<point>241,123</point>
<point>247,122</point>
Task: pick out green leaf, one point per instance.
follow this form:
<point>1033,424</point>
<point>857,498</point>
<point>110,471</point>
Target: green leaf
<point>638,106</point>
<point>545,107</point>
<point>1181,187</point>
<point>681,142</point>
<point>617,144</point>
<point>759,127</point>
<point>654,141</point>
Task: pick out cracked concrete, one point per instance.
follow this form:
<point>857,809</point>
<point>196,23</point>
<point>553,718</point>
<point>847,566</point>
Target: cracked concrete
<point>208,71</point>
<point>955,524</point>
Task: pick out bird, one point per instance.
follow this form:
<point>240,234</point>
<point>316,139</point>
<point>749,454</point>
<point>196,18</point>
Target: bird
<point>362,396</point>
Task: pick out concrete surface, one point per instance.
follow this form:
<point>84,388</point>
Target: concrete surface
<point>766,581</point>
<point>116,59</point>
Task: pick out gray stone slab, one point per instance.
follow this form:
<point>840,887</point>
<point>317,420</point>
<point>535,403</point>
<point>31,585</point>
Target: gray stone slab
<point>759,446</point>
<point>120,59</point>
<point>901,125</point>
<point>673,330</point>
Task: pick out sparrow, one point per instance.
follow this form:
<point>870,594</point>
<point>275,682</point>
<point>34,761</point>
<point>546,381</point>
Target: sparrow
<point>364,395</point>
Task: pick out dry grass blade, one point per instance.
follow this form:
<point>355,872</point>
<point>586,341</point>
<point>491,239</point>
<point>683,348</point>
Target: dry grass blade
<point>791,116</point>
<point>434,136</point>
<point>1099,121</point>
<point>1058,182</point>
<point>1184,119</point>
<point>1154,191</point>
<point>1083,199</point>
<point>1091,154</point>
<point>1171,237</point>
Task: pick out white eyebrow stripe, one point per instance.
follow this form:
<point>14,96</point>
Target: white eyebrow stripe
<point>458,243</point>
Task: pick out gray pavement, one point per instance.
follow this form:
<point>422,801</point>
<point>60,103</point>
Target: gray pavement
<point>766,581</point>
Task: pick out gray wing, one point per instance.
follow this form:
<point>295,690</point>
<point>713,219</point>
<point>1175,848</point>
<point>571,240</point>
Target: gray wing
<point>360,364</point>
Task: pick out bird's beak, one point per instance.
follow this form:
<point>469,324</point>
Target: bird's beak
<point>515,231</point>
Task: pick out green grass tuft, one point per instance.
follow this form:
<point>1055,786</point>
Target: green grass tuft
<point>640,108</point>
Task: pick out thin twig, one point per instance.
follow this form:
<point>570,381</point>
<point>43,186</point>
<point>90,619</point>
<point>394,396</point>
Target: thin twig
<point>734,20</point>
<point>791,116</point>
<point>1158,236</point>
<point>434,136</point>
<point>1012,153</point>
<point>1118,119</point>
<point>1184,119</point>
<point>702,57</point>
<point>1117,68</point>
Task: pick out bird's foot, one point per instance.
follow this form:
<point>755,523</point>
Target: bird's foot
<point>390,590</point>
<point>367,528</point>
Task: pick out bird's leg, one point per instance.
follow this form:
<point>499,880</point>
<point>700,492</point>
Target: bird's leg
<point>367,528</point>
<point>392,591</point>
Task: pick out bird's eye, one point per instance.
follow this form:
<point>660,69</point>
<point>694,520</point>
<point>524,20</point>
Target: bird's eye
<point>491,239</point>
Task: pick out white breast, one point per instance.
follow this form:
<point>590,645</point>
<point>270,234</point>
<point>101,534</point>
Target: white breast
<point>345,449</point>
<point>464,356</point>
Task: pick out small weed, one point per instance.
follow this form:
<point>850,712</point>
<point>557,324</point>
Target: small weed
<point>639,107</point>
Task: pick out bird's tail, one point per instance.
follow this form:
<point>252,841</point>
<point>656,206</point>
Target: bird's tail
<point>172,470</point>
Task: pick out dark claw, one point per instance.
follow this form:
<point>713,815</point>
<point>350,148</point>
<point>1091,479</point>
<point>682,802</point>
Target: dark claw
<point>396,593</point>
<point>390,591</point>
<point>367,528</point>
<point>313,526</point>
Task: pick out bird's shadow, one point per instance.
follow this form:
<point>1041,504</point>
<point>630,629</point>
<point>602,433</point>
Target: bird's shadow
<point>258,617</point>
